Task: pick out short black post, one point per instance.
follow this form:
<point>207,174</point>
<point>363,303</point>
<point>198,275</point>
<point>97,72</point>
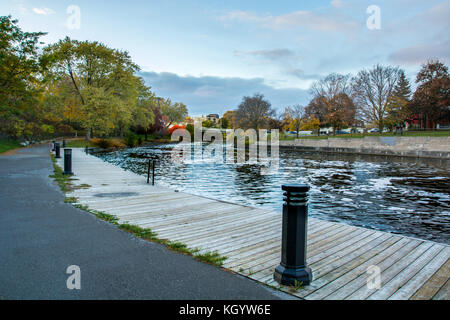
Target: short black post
<point>293,269</point>
<point>53,145</point>
<point>64,144</point>
<point>148,171</point>
<point>86,149</point>
<point>68,162</point>
<point>57,150</point>
<point>153,173</point>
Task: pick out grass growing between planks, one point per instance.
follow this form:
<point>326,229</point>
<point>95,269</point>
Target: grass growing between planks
<point>65,183</point>
<point>213,258</point>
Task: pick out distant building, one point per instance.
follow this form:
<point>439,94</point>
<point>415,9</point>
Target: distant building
<point>417,121</point>
<point>213,117</point>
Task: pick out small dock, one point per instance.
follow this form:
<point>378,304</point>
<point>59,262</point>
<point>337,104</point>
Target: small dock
<point>338,254</point>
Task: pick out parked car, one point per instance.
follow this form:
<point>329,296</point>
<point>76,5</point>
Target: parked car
<point>374,130</point>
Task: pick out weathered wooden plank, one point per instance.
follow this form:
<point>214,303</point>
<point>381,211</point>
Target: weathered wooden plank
<point>266,236</point>
<point>247,253</point>
<point>206,230</point>
<point>331,282</point>
<point>276,255</point>
<point>407,290</point>
<point>349,253</point>
<point>389,269</point>
<point>430,288</point>
<point>166,220</point>
<point>443,293</point>
<point>389,288</point>
<point>332,247</point>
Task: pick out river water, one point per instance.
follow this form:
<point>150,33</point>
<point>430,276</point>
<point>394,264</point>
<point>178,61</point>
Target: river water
<point>394,194</point>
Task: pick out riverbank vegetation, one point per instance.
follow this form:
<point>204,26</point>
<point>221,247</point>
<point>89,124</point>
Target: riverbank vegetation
<point>72,87</point>
<point>379,98</point>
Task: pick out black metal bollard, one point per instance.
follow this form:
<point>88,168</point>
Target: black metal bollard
<point>293,268</point>
<point>148,171</point>
<point>64,144</point>
<point>153,173</point>
<point>57,150</point>
<point>68,162</point>
<point>86,149</point>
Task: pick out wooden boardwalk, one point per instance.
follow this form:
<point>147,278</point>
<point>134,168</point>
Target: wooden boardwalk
<point>338,254</point>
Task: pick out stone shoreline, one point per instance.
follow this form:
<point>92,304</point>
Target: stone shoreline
<point>417,147</point>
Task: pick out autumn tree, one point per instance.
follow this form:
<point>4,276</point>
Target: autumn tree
<point>253,112</point>
<point>276,121</point>
<point>432,96</point>
<point>332,103</point>
<point>295,114</point>
<point>317,108</point>
<point>373,91</point>
<point>230,117</point>
<point>312,124</point>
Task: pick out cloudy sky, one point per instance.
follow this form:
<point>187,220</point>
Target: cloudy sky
<point>209,54</point>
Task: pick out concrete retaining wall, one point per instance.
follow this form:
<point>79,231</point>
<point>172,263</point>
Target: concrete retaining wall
<point>422,147</point>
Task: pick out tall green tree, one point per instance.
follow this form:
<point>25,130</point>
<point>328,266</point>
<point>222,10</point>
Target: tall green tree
<point>398,107</point>
<point>19,80</point>
<point>172,112</point>
<point>103,79</point>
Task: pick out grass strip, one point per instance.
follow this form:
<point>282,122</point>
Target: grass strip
<point>6,145</point>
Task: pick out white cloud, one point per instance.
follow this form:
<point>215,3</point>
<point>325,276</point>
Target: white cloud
<point>307,19</point>
<point>43,11</point>
<point>274,54</point>
<point>337,3</point>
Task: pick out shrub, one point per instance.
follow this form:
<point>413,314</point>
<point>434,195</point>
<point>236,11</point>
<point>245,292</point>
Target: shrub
<point>103,143</point>
<point>131,139</point>
<point>117,143</point>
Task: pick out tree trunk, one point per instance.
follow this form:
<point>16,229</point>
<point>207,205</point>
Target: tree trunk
<point>88,134</point>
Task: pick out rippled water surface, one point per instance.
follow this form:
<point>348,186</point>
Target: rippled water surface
<point>399,195</point>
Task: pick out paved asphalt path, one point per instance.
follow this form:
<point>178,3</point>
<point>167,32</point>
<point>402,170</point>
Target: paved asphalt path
<point>40,236</point>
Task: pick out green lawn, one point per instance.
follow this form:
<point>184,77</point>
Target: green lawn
<point>6,145</point>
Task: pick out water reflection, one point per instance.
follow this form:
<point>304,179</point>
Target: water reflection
<point>394,194</point>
